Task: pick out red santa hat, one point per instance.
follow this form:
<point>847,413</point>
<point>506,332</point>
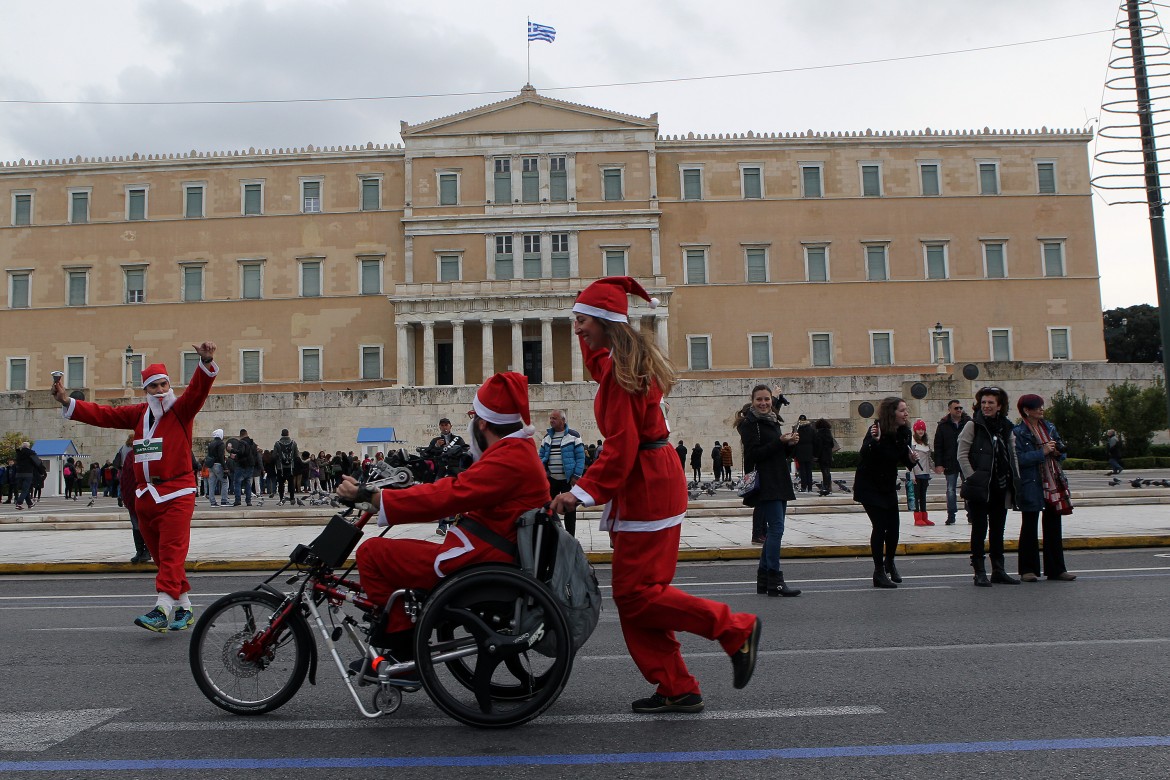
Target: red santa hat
<point>606,298</point>
<point>503,399</point>
<point>153,373</point>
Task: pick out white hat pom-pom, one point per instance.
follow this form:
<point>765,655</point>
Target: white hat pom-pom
<point>654,303</point>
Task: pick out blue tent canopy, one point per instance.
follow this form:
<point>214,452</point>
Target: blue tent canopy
<point>375,435</point>
<point>48,448</point>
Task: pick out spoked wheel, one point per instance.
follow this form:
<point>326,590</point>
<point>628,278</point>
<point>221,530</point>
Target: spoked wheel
<point>474,647</point>
<point>240,663</point>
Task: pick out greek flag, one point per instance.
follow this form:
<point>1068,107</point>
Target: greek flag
<point>541,32</point>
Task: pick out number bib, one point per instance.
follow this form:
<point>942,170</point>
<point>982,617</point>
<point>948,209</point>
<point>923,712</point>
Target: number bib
<point>148,449</point>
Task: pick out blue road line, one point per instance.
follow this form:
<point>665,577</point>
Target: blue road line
<point>859,751</point>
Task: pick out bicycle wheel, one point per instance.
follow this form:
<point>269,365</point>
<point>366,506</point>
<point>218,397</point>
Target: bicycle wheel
<point>241,678</point>
<point>473,647</point>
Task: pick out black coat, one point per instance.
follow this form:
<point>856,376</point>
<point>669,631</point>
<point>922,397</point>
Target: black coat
<point>979,442</point>
<point>806,448</point>
<point>768,456</point>
<point>697,457</point>
<point>876,481</point>
<point>824,448</point>
<point>946,443</point>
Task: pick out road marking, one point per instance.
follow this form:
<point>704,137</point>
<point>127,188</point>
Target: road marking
<point>587,759</point>
<point>36,731</point>
<point>254,724</point>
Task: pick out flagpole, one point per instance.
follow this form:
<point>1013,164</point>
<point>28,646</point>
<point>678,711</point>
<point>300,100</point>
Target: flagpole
<point>527,27</point>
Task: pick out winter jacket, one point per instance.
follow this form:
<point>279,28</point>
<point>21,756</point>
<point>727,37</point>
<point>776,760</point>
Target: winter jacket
<point>876,481</point>
<point>825,446</point>
<point>946,443</point>
<point>697,457</point>
<point>215,452</point>
<point>764,452</point>
<point>806,448</point>
<point>1030,457</point>
<point>572,452</point>
<point>285,455</point>
<point>27,462</point>
<point>979,443</point>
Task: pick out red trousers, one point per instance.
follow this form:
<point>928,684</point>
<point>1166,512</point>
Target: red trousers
<point>166,529</point>
<point>651,610</point>
<point>386,565</point>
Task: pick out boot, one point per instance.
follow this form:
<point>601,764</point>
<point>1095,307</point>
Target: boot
<point>777,586</point>
<point>926,518</point>
<point>920,519</point>
<point>980,572</point>
<point>881,579</point>
<point>892,571</point>
<point>141,554</point>
<point>1001,577</point>
<point>761,582</point>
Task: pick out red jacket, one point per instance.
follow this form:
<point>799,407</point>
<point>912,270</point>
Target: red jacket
<point>646,489</point>
<point>162,461</point>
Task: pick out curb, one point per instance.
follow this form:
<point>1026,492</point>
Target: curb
<point>684,555</point>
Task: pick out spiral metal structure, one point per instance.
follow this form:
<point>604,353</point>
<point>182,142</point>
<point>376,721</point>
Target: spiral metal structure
<point>1122,176</point>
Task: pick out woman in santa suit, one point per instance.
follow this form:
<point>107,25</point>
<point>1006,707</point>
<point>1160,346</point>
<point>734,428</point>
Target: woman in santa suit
<point>642,485</point>
<point>165,494</point>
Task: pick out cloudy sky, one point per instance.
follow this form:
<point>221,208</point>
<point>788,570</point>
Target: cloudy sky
<point>60,59</point>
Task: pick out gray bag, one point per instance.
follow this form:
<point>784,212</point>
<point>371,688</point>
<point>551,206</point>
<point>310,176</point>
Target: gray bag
<point>560,563</point>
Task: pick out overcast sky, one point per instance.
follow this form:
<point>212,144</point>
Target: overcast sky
<point>226,50</point>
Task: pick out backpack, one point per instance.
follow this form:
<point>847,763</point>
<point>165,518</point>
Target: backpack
<point>566,571</point>
<point>286,454</point>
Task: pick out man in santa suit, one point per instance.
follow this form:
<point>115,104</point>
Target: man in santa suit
<point>505,480</point>
<point>165,496</point>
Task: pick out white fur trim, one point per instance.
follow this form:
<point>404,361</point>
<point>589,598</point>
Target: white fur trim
<point>67,411</point>
<point>484,413</point>
<point>654,303</point>
<point>211,369</point>
<point>582,496</point>
<point>604,314</point>
<point>154,378</point>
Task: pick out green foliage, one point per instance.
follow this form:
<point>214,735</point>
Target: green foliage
<point>1077,421</point>
<point>9,443</point>
<point>845,459</point>
<point>1136,413</point>
<point>1132,334</point>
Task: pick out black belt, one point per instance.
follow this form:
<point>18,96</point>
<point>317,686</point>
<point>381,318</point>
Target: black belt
<point>653,445</point>
<point>488,535</point>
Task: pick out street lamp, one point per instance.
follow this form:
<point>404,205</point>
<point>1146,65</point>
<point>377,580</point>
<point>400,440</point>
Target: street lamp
<point>938,353</point>
<point>129,365</point>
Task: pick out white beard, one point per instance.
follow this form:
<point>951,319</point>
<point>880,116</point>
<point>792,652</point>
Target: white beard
<point>160,404</point>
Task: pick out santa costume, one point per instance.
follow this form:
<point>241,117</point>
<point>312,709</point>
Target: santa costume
<point>640,481</point>
<point>165,496</point>
<point>505,481</point>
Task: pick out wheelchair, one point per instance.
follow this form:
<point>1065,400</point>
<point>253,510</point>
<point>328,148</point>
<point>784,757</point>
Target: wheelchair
<point>491,645</point>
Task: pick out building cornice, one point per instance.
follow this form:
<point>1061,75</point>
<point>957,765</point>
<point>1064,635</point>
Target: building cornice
<point>873,137</point>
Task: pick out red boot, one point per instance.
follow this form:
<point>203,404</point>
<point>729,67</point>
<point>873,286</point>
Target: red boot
<point>926,519</point>
<point>920,518</point>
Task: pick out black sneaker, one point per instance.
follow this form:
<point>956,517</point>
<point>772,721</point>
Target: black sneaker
<point>743,661</point>
<point>688,702</point>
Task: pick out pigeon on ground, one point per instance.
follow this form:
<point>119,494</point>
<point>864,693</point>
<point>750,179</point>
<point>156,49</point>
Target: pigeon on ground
<point>1114,482</point>
<point>841,484</point>
<point>90,502</point>
<point>1137,483</point>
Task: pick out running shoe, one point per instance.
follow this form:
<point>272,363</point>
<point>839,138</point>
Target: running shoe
<point>182,620</point>
<point>155,620</point>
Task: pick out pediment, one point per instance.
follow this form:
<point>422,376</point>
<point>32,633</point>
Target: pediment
<point>529,112</point>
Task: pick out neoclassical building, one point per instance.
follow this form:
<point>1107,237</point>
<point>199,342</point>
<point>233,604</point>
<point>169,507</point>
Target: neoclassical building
<point>459,253</point>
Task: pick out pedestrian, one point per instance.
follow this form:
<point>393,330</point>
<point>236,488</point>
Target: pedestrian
<point>1043,492</point>
<point>9,481</point>
<point>27,466</point>
<point>805,452</point>
<point>215,462</point>
<point>639,480</point>
<point>1113,447</point>
<point>725,460</point>
<point>284,455</point>
<point>128,488</point>
<point>246,457</point>
<point>681,449</point>
<point>987,456</point>
<point>165,496</point>
<point>922,471</point>
<point>717,461</point>
<point>946,454</point>
<point>826,447</point>
<point>67,477</point>
<point>766,450</point>
<point>94,478</point>
<point>563,454</point>
<point>697,462</point>
<point>884,449</point>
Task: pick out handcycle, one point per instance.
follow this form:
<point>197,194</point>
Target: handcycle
<point>491,645</point>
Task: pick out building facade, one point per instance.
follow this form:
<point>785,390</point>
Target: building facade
<point>459,253</point>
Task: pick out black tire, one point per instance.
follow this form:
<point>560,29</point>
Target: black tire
<point>248,687</point>
<point>501,607</point>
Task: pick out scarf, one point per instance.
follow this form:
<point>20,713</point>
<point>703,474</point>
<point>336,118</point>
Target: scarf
<point>1050,468</point>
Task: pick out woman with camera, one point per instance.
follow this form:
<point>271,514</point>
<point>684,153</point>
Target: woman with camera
<point>1043,492</point>
<point>886,446</point>
<point>766,450</point>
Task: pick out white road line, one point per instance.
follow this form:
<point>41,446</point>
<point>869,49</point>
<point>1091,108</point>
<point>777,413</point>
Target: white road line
<point>272,724</point>
<point>37,731</point>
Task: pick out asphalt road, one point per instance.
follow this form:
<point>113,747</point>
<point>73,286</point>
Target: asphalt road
<point>935,679</point>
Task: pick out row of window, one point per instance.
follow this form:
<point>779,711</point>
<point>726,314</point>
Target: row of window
<point>250,367</point>
<point>530,184</point>
<point>881,347</point>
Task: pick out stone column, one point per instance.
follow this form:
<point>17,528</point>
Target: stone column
<point>429,353</point>
<point>578,374</point>
<point>458,375</point>
<point>404,364</point>
<point>546,350</point>
<point>489,356</point>
<point>636,321</point>
<point>518,346</point>
<point>663,338</point>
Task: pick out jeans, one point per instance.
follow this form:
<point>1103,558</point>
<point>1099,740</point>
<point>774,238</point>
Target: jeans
<point>953,481</point>
<point>243,476</point>
<point>805,469</point>
<point>24,488</point>
<point>772,513</point>
<point>218,486</point>
<point>1115,465</point>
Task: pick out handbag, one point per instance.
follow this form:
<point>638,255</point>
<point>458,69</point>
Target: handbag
<point>1066,505</point>
<point>750,484</point>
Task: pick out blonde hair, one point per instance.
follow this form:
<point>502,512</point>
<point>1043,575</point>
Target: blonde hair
<point>637,360</point>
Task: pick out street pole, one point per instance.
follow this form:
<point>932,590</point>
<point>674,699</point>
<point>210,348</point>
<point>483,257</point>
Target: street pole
<point>1153,185</point>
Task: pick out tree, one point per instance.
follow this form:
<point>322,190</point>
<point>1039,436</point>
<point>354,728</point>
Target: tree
<point>1135,413</point>
<point>1077,421</point>
<point>9,443</point>
<point>1132,334</point>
